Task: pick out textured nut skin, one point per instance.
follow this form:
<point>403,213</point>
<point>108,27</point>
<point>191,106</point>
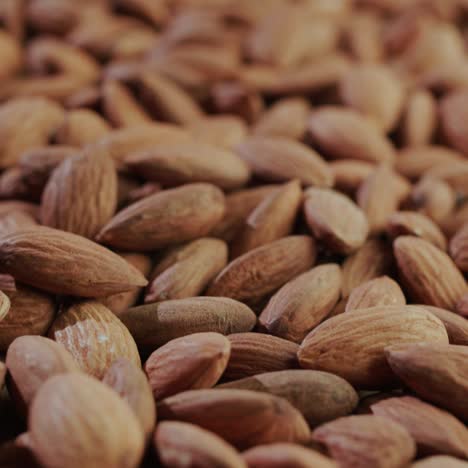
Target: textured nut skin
<point>456,326</point>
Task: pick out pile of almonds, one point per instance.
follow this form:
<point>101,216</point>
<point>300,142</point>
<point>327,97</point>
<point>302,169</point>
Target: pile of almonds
<point>234,233</point>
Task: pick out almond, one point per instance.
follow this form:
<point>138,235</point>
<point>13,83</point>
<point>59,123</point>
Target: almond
<point>154,325</point>
<point>455,220</point>
<point>187,363</point>
<point>367,441</point>
<point>454,174</point>
<point>350,174</point>
<point>462,305</point>
<point>453,117</point>
<point>165,218</point>
<point>241,417</point>
<point>459,248</point>
<point>94,336</point>
<point>362,336</point>
<point>429,274</point>
<point>86,268</point>
<point>5,305</point>
<point>329,215</point>
<point>440,460</point>
<point>456,326</point>
<point>302,303</point>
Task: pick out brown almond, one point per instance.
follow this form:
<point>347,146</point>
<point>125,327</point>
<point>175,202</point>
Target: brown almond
<point>5,305</point>
<point>454,220</point>
<point>187,363</point>
<point>154,325</point>
<point>363,335</point>
<point>94,336</point>
<point>350,174</point>
<point>455,174</point>
<point>165,218</point>
<point>302,303</point>
<point>453,119</point>
<point>456,326</point>
<point>87,269</point>
<point>382,291</point>
<point>279,159</point>
<point>428,273</point>
<point>435,431</point>
<point>185,271</point>
<point>366,441</point>
<point>440,460</point>
<point>241,417</point>
<point>462,305</point>
<point>335,220</point>
<point>8,206</point>
<point>436,372</point>
<point>459,248</point>
<point>264,269</point>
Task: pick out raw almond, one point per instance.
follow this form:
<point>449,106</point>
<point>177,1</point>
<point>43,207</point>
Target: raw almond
<point>440,460</point>
<point>456,326</point>
<point>459,248</point>
<point>350,174</point>
<point>462,305</point>
<point>453,119</point>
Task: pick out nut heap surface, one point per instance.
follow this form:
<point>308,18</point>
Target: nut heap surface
<point>233,233</point>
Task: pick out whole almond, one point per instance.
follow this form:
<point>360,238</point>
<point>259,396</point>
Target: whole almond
<point>350,174</point>
<point>434,430</point>
<point>459,248</point>
<point>434,371</point>
<point>367,441</point>
<point>429,274</point>
<point>363,335</point>
<point>279,159</point>
<point>382,291</point>
<point>319,396</point>
<point>453,118</point>
<point>185,271</point>
<point>154,325</point>
<point>329,215</point>
<point>165,218</point>
<point>187,363</point>
<point>264,269</point>
<point>302,303</point>
<point>243,418</point>
<point>456,326</point>
<point>94,336</point>
<point>180,444</point>
<point>86,268</point>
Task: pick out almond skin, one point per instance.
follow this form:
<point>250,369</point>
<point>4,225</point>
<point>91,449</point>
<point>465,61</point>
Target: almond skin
<point>264,269</point>
<point>380,291</point>
<point>83,432</point>
<point>241,417</point>
<point>165,218</point>
<point>92,173</point>
<point>94,336</point>
<point>453,119</point>
<point>186,271</point>
<point>367,441</point>
<point>180,444</point>
<point>187,363</point>
<point>302,303</point>
<point>319,396</point>
<point>335,220</point>
<point>435,431</point>
<point>255,353</point>
<point>434,371</point>
<point>278,159</point>
<point>5,305</point>
<point>440,460</point>
<point>429,274</point>
<point>462,305</point>
<point>86,268</point>
<point>154,325</point>
<point>350,173</point>
<point>456,326</point>
<point>459,248</point>
<point>363,335</point>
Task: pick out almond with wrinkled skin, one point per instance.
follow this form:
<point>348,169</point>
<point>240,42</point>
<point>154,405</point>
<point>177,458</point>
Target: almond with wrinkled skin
<point>243,418</point>
<point>408,223</point>
<point>456,326</point>
<point>279,159</point>
<point>168,217</point>
<point>363,335</point>
<point>256,353</point>
<point>92,173</point>
<point>94,336</point>
<point>154,325</point>
<point>319,396</point>
<point>428,273</point>
<point>335,220</point>
<point>187,363</point>
<point>434,430</point>
<point>453,119</point>
<point>86,268</point>
<point>382,291</point>
<point>367,441</point>
<point>82,431</point>
<point>181,444</point>
<point>130,382</point>
<point>302,303</point>
<point>440,460</point>
<point>272,219</point>
<point>345,134</point>
<point>264,269</point>
<point>281,455</point>
<point>190,162</point>
<point>435,372</point>
<point>459,248</point>
<point>31,360</point>
<point>31,313</point>
<point>5,305</point>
